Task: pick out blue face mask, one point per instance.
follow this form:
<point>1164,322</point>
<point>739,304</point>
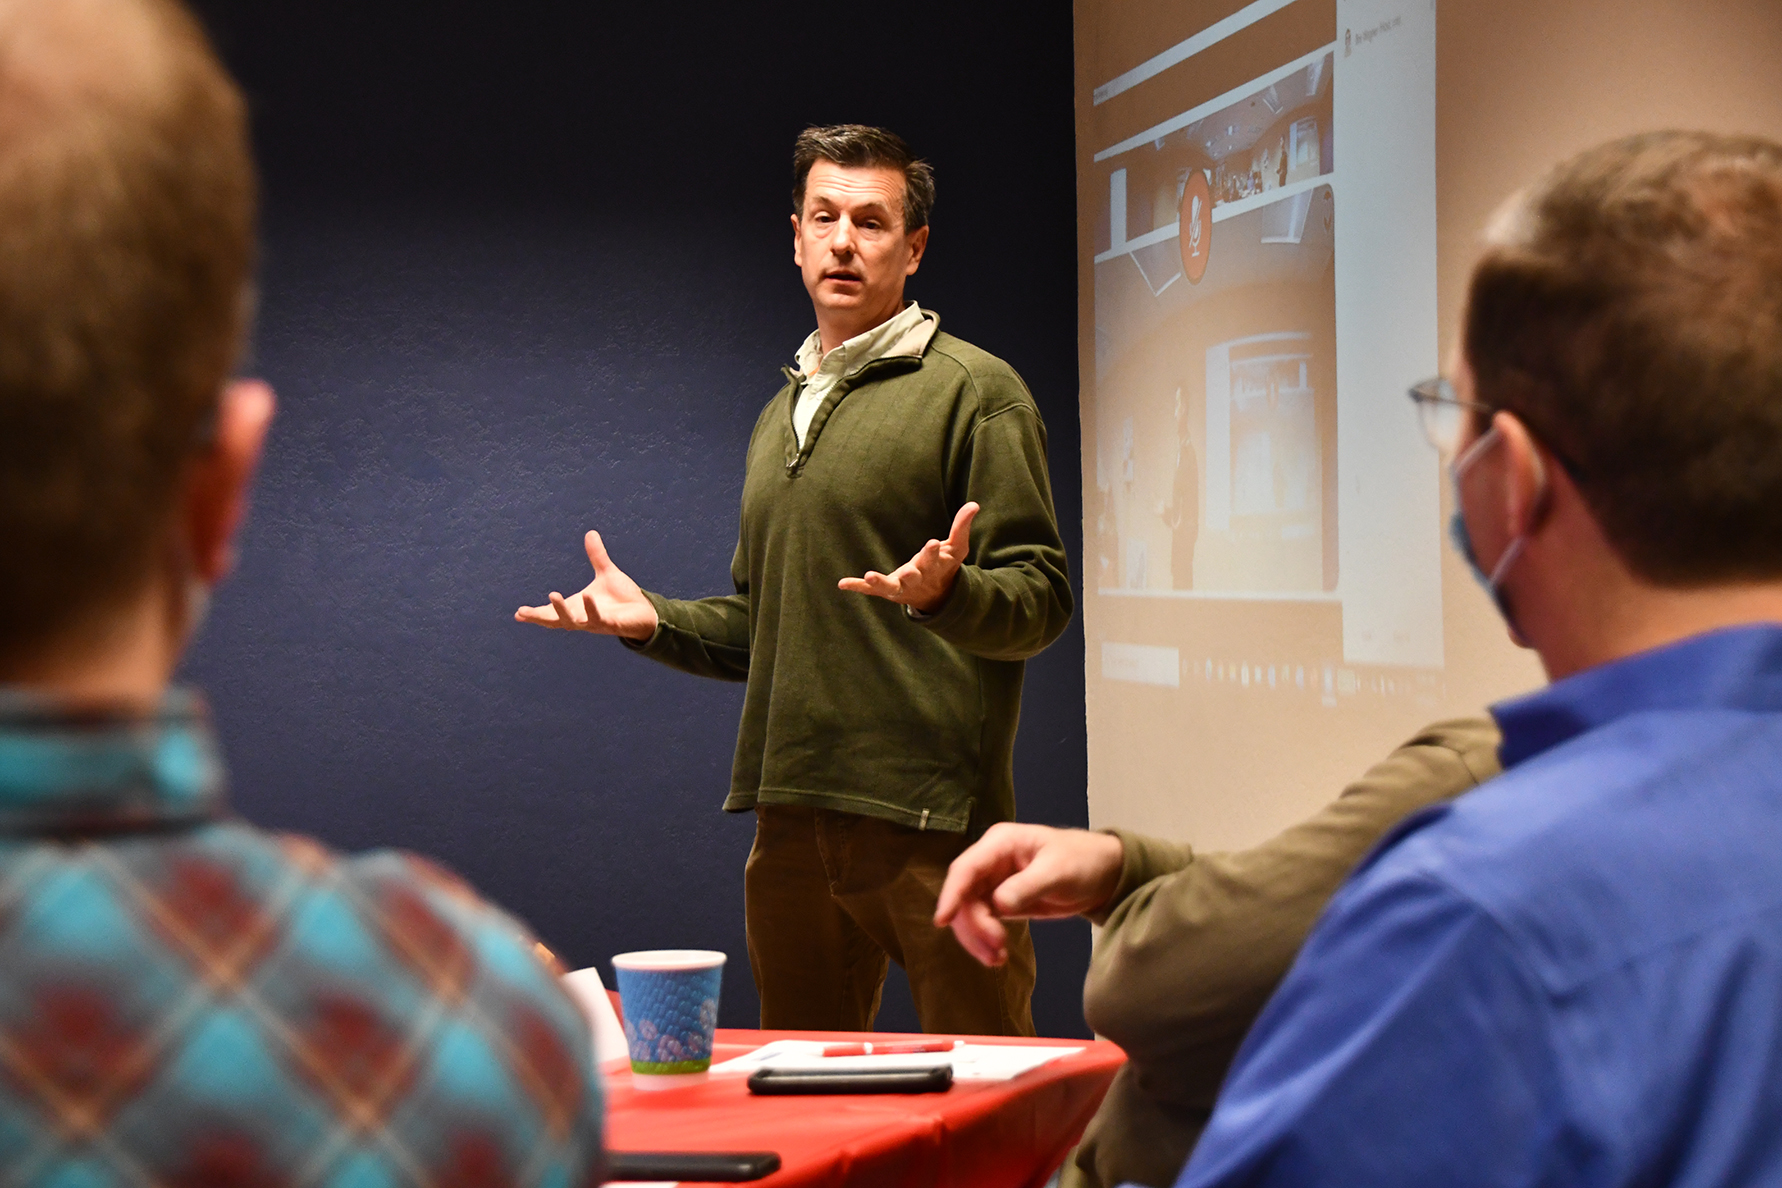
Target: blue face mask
<point>1462,541</point>
<point>1493,582</point>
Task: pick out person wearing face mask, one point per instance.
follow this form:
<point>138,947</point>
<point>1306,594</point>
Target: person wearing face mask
<point>1574,974</point>
<point>1445,421</point>
<point>186,998</point>
<point>898,561</point>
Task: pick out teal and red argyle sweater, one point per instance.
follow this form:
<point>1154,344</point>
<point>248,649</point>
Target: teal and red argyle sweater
<point>186,999</point>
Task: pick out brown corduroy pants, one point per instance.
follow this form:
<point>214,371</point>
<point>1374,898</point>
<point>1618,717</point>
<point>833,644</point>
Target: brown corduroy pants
<point>832,896</point>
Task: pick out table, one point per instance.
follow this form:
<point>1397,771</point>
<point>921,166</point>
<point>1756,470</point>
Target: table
<point>1007,1134</point>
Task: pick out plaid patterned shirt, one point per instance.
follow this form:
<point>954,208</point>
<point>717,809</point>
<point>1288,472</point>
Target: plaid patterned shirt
<point>188,1000</point>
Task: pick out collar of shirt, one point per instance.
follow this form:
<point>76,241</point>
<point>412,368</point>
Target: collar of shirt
<point>1735,668</point>
<point>67,770</point>
<point>861,349</point>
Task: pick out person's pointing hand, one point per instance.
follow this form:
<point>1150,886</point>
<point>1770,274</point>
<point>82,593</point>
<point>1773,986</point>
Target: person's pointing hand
<point>925,581</point>
<point>1019,872</point>
<point>611,604</point>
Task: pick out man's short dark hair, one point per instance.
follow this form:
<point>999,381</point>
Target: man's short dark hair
<point>857,146</point>
<point>127,208</point>
<point>1629,310</point>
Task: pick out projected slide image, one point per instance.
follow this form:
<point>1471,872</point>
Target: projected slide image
<point>1216,418</point>
<point>1263,569</point>
<point>1258,210</point>
<point>1216,347</point>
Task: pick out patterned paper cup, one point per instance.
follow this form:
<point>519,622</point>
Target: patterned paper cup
<point>670,1001</point>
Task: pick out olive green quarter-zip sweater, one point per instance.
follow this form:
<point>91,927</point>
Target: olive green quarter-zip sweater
<point>853,703</point>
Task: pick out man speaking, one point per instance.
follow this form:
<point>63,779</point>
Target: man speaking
<point>878,728</point>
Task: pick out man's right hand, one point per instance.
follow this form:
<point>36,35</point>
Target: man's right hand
<point>1021,872</point>
<point>611,604</point>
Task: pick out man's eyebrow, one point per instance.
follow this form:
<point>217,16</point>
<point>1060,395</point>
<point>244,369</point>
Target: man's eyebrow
<point>873,204</point>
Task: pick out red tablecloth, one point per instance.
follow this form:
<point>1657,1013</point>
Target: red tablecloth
<point>1004,1134</point>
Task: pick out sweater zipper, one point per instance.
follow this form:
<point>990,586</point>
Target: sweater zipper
<point>821,418</point>
<point>796,381</point>
<point>795,464</point>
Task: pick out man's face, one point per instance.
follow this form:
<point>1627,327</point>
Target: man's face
<point>850,243</point>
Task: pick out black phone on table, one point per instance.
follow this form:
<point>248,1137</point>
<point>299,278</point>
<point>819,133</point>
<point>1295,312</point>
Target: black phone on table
<point>721,1166</point>
<point>773,1081</point>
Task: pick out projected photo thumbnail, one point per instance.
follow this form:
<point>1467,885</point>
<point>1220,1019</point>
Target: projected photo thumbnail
<point>1264,525</point>
<point>1215,304</point>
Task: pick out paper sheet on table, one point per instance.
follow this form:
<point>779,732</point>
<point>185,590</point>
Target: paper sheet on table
<point>585,987</point>
<point>971,1062</point>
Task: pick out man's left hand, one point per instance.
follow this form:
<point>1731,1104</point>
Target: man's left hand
<point>925,581</point>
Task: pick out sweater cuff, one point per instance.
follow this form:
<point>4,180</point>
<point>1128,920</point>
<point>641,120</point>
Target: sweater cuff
<point>1144,858</point>
<point>650,646</point>
<point>956,606</point>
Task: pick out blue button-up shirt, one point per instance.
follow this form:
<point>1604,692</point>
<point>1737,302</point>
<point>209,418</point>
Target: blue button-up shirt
<point>185,999</point>
<point>1572,976</point>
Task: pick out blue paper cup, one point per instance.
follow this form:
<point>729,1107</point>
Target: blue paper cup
<point>670,1001</point>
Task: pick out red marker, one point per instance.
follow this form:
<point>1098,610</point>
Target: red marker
<point>906,1048</point>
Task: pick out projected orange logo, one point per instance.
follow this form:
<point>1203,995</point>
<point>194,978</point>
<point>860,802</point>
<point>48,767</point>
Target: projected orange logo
<point>1196,225</point>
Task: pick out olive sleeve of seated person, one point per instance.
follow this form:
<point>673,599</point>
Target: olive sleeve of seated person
<point>1193,945</point>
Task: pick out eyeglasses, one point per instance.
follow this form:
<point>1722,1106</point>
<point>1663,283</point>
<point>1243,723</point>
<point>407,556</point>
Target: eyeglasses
<point>1443,414</point>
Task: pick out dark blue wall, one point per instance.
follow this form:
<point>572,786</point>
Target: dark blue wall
<point>528,271</point>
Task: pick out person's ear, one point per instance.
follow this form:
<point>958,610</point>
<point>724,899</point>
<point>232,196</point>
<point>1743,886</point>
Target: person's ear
<point>918,241</point>
<point>797,242</point>
<point>218,478</point>
<point>1525,487</point>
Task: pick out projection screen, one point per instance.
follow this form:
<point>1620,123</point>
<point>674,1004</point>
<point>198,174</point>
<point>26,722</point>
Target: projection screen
<point>1263,522</point>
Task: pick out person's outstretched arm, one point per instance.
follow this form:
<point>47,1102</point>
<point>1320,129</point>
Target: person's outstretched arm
<point>706,636</point>
<point>1013,597</point>
<point>1187,961</point>
<point>611,604</point>
<point>1235,920</point>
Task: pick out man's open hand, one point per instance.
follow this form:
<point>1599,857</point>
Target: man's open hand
<point>1025,872</point>
<point>611,604</point>
<point>926,580</point>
